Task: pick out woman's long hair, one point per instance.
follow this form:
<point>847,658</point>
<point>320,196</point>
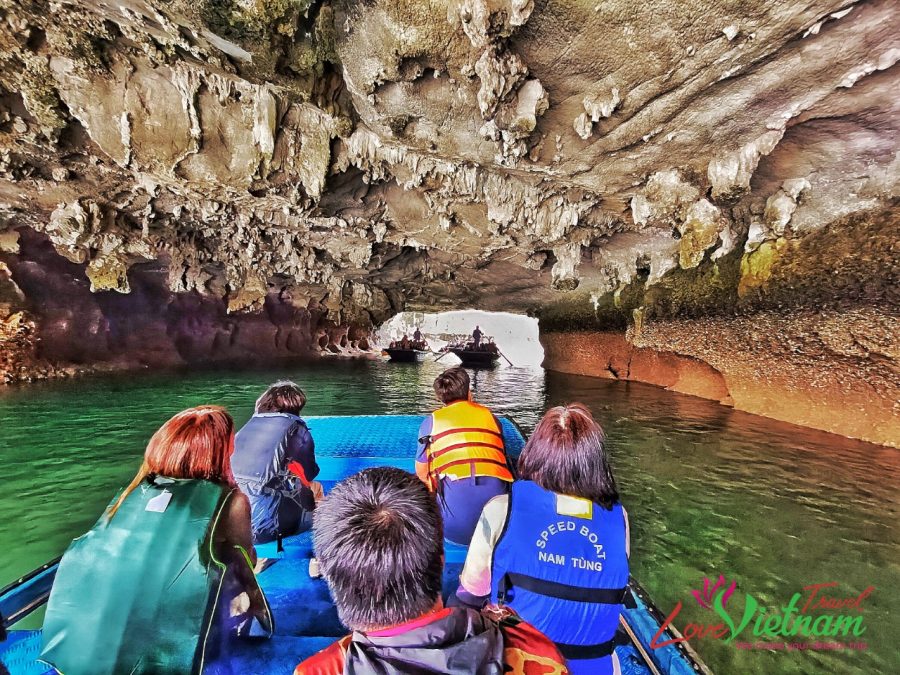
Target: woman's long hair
<point>566,454</point>
<point>195,443</point>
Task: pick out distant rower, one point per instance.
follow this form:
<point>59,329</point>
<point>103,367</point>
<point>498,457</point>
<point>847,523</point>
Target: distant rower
<point>476,336</point>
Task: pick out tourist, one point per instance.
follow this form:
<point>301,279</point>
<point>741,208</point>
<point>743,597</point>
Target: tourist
<point>378,540</point>
<point>556,548</point>
<point>461,455</point>
<point>167,571</point>
<point>274,464</point>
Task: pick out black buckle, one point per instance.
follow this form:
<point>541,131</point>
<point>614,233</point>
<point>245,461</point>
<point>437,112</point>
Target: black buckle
<point>503,590</point>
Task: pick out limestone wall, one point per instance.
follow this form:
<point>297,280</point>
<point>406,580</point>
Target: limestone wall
<point>805,369</point>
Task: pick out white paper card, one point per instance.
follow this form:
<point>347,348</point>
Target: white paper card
<point>159,503</point>
<point>574,506</point>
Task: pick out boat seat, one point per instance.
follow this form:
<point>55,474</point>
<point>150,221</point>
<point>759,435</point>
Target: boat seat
<point>21,651</point>
<point>260,656</point>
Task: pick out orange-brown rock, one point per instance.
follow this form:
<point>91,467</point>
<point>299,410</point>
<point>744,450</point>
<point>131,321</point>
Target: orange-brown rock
<point>769,365</point>
<point>612,356</point>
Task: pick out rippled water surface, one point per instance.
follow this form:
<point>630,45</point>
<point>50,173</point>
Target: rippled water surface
<point>710,491</point>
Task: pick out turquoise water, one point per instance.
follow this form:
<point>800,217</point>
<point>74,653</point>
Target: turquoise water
<point>710,491</point>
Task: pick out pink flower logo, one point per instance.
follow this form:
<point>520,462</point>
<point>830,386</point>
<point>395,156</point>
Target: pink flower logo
<point>706,596</point>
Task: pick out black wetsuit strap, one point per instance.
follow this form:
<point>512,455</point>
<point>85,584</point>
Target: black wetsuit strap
<point>597,651</point>
<point>609,596</point>
<point>580,652</point>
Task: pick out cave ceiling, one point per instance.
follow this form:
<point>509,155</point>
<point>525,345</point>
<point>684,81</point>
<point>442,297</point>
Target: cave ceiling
<point>386,155</point>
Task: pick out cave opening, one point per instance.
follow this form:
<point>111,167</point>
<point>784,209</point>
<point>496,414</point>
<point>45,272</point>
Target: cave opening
<point>516,335</point>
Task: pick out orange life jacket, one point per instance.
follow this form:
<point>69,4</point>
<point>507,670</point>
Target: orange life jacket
<point>466,442</point>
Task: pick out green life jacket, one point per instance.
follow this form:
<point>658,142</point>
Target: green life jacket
<point>141,593</point>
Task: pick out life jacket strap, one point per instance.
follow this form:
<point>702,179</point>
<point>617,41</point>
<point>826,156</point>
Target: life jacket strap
<point>607,596</point>
<point>466,444</point>
<point>466,430</point>
<point>597,651</point>
<point>474,462</point>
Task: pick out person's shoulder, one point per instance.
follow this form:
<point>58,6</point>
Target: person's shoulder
<point>497,506</point>
<point>329,661</point>
<point>298,426</point>
<point>238,503</point>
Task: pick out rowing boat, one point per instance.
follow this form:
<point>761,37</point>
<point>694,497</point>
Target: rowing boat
<point>406,355</point>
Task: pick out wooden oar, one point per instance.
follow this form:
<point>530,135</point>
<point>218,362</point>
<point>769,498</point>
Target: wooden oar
<point>441,356</point>
<point>504,356</point>
<point>637,644</point>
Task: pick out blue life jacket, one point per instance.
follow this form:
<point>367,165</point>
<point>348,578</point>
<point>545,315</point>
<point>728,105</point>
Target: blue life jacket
<point>561,565</point>
<point>259,464</point>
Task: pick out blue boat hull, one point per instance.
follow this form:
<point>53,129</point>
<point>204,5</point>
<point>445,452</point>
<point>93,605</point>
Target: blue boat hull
<point>306,620</point>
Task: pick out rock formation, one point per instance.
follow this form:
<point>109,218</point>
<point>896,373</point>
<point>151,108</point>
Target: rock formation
<point>703,193</point>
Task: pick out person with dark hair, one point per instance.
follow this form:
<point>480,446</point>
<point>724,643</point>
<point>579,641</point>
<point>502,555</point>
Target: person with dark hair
<point>461,455</point>
<point>556,548</point>
<point>476,337</point>
<point>378,540</point>
<point>274,464</point>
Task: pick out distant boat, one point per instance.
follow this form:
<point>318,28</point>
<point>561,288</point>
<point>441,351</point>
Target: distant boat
<point>485,355</point>
<point>406,355</point>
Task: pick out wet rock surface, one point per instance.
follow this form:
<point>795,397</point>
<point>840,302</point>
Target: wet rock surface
<point>285,174</point>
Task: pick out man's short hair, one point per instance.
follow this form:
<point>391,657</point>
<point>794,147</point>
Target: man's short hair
<point>379,540</point>
<point>282,397</point>
<point>452,385</point>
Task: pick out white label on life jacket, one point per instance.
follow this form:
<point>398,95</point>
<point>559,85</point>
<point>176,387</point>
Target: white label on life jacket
<point>575,507</point>
<point>160,502</point>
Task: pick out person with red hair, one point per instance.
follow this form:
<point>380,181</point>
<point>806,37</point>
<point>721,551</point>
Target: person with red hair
<point>172,557</point>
